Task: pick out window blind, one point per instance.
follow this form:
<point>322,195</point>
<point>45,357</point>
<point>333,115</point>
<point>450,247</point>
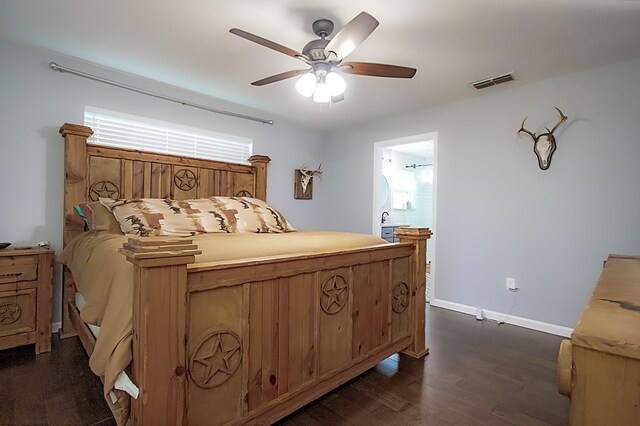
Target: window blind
<point>126,131</point>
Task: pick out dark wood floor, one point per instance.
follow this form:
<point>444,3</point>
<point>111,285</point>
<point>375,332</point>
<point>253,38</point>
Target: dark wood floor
<point>478,373</point>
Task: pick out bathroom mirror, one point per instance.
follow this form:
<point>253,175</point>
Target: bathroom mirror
<point>384,191</point>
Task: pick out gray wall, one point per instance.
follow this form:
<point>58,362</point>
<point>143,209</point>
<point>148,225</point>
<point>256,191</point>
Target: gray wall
<point>35,101</point>
<point>498,215</point>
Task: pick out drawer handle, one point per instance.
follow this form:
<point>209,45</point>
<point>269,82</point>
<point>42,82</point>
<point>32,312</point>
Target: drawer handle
<point>12,275</point>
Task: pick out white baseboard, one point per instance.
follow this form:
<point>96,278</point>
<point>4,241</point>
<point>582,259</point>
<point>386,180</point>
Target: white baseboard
<point>545,327</point>
<point>56,326</point>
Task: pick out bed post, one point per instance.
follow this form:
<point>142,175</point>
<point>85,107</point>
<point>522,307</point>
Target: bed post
<point>419,237</point>
<point>259,163</point>
<point>160,328</point>
<point>75,174</point>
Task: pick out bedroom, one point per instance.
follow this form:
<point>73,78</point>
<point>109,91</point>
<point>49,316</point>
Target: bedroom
<point>498,214</point>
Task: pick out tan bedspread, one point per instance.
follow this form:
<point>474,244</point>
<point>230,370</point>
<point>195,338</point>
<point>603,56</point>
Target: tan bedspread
<point>104,277</point>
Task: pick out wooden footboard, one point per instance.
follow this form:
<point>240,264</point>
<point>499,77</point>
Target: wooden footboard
<point>252,341</point>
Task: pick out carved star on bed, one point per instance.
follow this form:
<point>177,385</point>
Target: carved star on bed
<point>185,179</point>
<point>216,358</point>
<point>334,294</point>
<point>400,297</point>
<point>103,189</point>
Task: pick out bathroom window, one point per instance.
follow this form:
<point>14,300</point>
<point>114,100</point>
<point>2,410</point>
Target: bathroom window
<point>401,200</point>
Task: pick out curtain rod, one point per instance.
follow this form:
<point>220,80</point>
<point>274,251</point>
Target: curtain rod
<point>63,69</point>
<point>413,166</point>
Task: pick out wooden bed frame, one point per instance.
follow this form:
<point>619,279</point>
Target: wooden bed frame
<point>246,341</point>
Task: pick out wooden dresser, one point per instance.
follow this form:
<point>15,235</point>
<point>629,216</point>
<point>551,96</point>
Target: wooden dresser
<point>599,368</point>
<point>25,297</point>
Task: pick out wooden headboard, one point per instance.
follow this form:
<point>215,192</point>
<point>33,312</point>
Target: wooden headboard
<point>96,171</point>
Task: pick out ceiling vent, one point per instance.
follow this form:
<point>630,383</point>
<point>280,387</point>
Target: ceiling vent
<point>488,82</point>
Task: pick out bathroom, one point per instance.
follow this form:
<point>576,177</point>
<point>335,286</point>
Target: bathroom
<point>406,186</point>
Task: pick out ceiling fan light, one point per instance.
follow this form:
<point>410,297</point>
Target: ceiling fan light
<point>306,84</point>
<point>336,84</point>
<point>322,94</point>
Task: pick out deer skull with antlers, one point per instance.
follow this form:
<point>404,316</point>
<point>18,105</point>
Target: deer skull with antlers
<point>544,144</point>
<point>303,182</point>
<point>306,176</point>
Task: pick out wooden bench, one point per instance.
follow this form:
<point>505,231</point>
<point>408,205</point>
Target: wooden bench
<point>599,368</point>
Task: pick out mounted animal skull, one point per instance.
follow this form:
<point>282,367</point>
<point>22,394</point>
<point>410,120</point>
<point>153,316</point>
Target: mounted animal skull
<point>306,176</point>
<point>544,144</point>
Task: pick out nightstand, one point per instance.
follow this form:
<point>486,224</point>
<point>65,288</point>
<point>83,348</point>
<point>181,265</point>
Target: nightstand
<point>26,292</point>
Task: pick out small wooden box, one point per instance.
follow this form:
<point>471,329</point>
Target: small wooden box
<point>25,297</point>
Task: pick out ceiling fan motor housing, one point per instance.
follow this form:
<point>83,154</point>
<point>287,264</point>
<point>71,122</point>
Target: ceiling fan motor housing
<point>314,50</point>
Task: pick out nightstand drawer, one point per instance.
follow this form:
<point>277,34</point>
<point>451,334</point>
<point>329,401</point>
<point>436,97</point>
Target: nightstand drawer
<point>17,311</point>
<point>25,297</point>
<point>18,268</point>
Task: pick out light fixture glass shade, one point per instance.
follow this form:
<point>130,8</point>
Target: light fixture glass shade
<point>306,84</point>
<point>322,94</point>
<point>336,84</point>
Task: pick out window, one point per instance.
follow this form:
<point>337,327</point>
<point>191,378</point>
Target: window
<point>128,131</point>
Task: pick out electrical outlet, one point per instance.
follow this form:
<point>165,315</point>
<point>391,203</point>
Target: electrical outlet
<point>511,284</point>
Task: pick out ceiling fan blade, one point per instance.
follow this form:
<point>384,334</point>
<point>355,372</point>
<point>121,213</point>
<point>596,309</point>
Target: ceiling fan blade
<point>335,99</point>
<point>377,70</point>
<point>350,36</point>
<point>268,43</point>
<point>278,77</point>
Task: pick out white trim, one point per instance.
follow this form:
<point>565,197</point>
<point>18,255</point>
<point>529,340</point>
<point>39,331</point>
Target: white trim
<point>377,176</point>
<point>434,218</point>
<point>56,326</point>
<point>545,327</point>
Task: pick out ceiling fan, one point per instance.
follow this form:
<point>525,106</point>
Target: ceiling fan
<point>325,57</point>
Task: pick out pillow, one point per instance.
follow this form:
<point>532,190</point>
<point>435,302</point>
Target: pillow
<point>252,215</point>
<point>98,218</point>
<point>148,217</point>
<point>156,217</point>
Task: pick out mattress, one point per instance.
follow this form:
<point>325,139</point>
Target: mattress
<point>105,279</point>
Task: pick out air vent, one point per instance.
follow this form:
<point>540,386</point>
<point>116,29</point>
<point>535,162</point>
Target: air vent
<point>488,82</point>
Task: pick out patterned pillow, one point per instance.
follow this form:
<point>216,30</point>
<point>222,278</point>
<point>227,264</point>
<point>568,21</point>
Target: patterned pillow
<point>247,214</point>
<point>98,218</point>
<point>155,217</point>
<point>148,217</point>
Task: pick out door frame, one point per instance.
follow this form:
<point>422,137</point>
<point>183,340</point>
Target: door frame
<point>377,176</point>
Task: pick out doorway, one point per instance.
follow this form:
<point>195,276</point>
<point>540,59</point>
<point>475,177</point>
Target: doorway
<point>404,191</point>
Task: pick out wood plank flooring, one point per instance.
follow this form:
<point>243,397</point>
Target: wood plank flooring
<point>478,373</point>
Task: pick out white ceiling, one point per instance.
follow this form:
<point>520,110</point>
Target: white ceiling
<point>450,42</point>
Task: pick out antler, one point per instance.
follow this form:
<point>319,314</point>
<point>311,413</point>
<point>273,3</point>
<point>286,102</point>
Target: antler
<point>522,129</point>
<point>563,118</point>
<point>311,173</point>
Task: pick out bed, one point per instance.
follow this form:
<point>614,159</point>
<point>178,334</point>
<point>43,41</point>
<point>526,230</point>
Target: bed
<point>246,339</point>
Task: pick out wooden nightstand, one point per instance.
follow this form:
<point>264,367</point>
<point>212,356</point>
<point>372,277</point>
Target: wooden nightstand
<point>26,291</point>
